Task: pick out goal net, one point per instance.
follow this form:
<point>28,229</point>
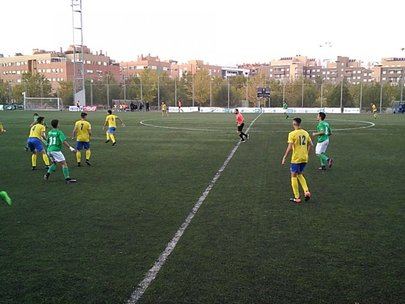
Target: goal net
<point>42,103</point>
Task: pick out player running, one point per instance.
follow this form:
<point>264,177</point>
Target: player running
<point>56,139</point>
<point>299,142</point>
<point>374,110</point>
<point>111,122</point>
<point>164,109</point>
<point>34,142</point>
<point>240,123</point>
<point>323,132</point>
<point>82,132</point>
<point>285,107</point>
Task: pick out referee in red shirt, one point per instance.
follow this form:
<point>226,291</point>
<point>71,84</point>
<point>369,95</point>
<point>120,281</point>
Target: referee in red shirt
<point>240,122</point>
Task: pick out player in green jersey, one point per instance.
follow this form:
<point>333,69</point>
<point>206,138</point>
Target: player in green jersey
<point>323,132</point>
<point>285,107</point>
<point>56,140</point>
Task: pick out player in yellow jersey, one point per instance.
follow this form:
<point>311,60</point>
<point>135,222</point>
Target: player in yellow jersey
<point>82,132</point>
<point>164,109</point>
<point>111,123</point>
<point>374,110</point>
<point>299,142</point>
<point>2,130</point>
<point>3,194</point>
<point>34,142</point>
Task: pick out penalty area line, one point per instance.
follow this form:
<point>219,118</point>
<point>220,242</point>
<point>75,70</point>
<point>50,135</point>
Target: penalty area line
<point>159,263</point>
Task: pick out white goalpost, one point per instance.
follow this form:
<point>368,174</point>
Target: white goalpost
<point>42,103</point>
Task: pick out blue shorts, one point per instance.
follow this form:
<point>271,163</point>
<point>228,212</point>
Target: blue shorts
<point>80,145</point>
<point>111,130</point>
<point>297,168</point>
<point>35,144</point>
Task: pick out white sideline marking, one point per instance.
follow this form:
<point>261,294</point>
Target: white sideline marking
<point>152,273</point>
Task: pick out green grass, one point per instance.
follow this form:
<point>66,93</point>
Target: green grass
<point>92,242</point>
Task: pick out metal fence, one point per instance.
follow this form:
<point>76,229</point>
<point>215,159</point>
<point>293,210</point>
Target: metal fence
<point>232,92</point>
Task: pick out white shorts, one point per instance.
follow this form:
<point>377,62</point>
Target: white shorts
<point>56,156</point>
<point>321,147</point>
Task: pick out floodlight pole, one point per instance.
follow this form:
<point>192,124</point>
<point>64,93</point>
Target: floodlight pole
<point>283,91</point>
<point>341,95</point>
<point>175,92</point>
<point>269,93</point>
<point>402,85</point>
<point>229,93</point>
<point>79,94</point>
<point>91,92</point>
<point>381,96</point>
<point>193,97</point>
<point>302,93</point>
<point>321,94</point>
<point>141,87</point>
<point>210,92</point>
<point>158,91</point>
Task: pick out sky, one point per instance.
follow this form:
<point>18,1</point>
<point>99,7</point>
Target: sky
<point>217,31</point>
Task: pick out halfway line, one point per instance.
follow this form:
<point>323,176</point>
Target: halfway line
<point>152,273</point>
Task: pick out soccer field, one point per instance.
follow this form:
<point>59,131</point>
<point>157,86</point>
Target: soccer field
<point>94,241</point>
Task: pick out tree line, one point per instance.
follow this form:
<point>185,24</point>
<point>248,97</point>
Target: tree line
<point>203,90</point>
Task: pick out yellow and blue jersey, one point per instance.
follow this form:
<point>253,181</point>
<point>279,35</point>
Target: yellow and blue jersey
<point>36,131</point>
<point>83,130</point>
<point>111,120</point>
<point>300,140</point>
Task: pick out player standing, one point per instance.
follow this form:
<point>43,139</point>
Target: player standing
<point>164,109</point>
<point>111,122</point>
<point>82,131</point>
<point>323,132</point>
<point>56,139</point>
<point>285,107</point>
<point>374,110</point>
<point>180,104</point>
<point>240,123</point>
<point>299,142</point>
<point>34,142</point>
<point>35,117</point>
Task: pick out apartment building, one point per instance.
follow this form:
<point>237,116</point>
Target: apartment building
<point>96,65</point>
<point>348,69</point>
<point>390,70</point>
<point>56,66</point>
<point>292,68</point>
<point>133,68</point>
<point>192,66</point>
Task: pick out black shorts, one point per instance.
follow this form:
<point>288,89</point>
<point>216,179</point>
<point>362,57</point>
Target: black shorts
<point>240,128</point>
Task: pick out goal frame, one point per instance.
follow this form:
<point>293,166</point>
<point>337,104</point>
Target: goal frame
<point>41,100</point>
